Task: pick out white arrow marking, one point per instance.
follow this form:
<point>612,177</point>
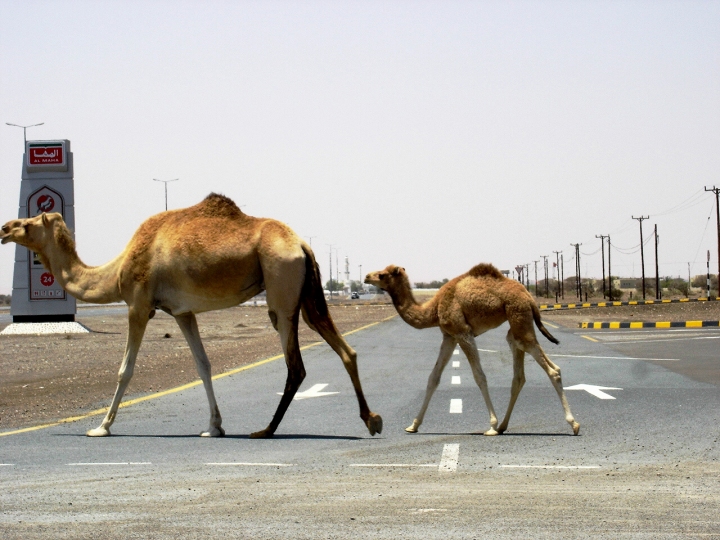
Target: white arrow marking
<point>594,390</point>
<point>313,391</point>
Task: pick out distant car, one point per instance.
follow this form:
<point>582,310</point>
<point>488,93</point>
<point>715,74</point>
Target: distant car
<point>354,296</point>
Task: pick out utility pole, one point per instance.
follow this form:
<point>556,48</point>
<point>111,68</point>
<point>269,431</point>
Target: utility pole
<point>557,265</point>
<point>578,283</point>
<point>166,183</point>
<point>717,215</point>
<point>536,285</point>
<point>642,251</point>
<point>544,258</point>
<point>310,239</point>
<point>361,279</point>
<point>658,290</point>
<point>610,297</point>
<point>562,275</point>
<point>602,248</point>
<point>331,275</point>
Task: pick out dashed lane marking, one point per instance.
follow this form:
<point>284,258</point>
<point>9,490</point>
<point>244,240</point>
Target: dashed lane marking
<point>381,465</point>
<point>455,379</point>
<point>456,406</point>
<point>456,364</point>
<point>449,459</point>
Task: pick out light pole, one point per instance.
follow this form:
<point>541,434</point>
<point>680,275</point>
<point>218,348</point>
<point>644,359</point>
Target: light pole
<point>24,128</point>
<point>166,183</point>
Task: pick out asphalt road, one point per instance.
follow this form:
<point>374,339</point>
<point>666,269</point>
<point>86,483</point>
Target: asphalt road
<point>644,465</point>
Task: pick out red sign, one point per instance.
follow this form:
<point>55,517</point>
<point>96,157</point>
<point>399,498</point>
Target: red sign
<point>46,154</point>
<point>47,279</point>
<point>45,203</point>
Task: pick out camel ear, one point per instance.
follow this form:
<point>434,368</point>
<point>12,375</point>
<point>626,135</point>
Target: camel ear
<point>45,219</point>
<point>396,271</point>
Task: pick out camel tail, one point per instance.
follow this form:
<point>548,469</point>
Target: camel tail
<point>314,306</point>
<point>538,322</point>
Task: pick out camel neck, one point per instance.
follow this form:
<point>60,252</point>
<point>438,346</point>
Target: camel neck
<point>416,315</point>
<point>94,284</point>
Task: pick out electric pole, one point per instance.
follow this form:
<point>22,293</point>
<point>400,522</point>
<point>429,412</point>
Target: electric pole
<point>544,258</point>
<point>642,251</point>
<point>166,183</point>
<point>557,265</point>
<point>610,295</point>
<point>536,285</point>
<point>602,248</point>
<point>578,285</point>
<point>658,290</point>
<point>717,215</point>
<point>331,276</point>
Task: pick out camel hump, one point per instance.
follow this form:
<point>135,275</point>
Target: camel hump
<point>485,270</point>
<point>216,205</point>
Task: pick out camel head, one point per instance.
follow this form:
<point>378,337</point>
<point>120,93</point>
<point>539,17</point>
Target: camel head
<point>387,278</point>
<point>34,233</point>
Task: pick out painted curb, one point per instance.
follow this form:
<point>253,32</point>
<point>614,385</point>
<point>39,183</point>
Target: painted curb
<point>552,307</point>
<point>664,324</point>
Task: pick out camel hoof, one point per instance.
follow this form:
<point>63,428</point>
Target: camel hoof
<point>98,432</point>
<point>413,428</point>
<point>576,428</point>
<point>491,433</point>
<point>263,434</point>
<point>374,423</point>
<point>214,432</point>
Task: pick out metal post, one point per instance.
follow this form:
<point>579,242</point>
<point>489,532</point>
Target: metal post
<point>717,215</point>
<point>166,183</point>
<point>24,128</point>
<point>602,248</point>
<point>610,283</point>
<point>642,252</point>
<point>658,290</point>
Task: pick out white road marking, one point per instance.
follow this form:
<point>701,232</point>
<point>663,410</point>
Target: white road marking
<point>456,364</point>
<point>449,459</point>
<point>110,464</point>
<point>596,391</point>
<point>486,350</point>
<point>550,466</point>
<point>659,340</point>
<point>242,464</point>
<point>614,357</point>
<point>7,464</point>
<point>455,379</point>
<point>456,351</point>
<point>313,391</point>
<point>433,465</point>
<point>456,406</point>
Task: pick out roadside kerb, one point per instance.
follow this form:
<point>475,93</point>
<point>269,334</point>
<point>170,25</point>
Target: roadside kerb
<point>662,324</point>
<point>553,307</point>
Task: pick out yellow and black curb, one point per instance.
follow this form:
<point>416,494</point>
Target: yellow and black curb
<point>663,324</point>
<point>551,307</point>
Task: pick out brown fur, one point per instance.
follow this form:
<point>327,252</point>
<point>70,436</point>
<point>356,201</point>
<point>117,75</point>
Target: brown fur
<point>209,256</point>
<point>465,307</point>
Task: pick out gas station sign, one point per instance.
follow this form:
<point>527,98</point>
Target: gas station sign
<point>46,186</point>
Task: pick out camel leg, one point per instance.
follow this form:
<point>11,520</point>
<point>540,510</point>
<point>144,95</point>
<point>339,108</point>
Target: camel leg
<point>518,379</point>
<point>188,326</point>
<point>137,322</point>
<point>553,371</point>
<point>469,347</point>
<point>446,351</point>
<point>327,330</point>
<point>287,326</point>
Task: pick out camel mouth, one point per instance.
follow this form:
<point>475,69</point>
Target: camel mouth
<point>5,239</point>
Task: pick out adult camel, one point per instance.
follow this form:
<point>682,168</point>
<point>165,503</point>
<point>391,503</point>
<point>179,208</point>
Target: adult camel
<point>465,307</point>
<point>206,257</point>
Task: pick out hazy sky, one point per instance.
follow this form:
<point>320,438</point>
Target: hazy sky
<point>433,135</point>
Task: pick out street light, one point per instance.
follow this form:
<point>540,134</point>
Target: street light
<point>24,128</point>
<point>166,183</point>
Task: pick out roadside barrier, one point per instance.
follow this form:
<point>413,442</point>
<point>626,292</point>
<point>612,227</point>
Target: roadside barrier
<point>551,307</point>
<point>638,324</point>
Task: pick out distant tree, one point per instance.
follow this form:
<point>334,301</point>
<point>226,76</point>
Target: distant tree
<point>675,285</point>
<point>431,285</point>
<point>5,299</point>
<point>356,286</point>
<point>333,285</point>
<point>701,281</point>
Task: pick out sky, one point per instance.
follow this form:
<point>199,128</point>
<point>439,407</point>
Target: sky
<point>433,134</point>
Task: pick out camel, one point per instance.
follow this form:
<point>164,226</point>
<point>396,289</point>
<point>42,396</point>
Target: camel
<point>205,257</point>
<point>465,307</point>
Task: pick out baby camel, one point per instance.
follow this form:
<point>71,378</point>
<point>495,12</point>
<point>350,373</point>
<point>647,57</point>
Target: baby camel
<point>206,257</point>
<point>465,307</point>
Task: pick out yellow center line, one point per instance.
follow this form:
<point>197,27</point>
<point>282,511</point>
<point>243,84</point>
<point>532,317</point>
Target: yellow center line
<point>589,338</point>
<point>135,401</point>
